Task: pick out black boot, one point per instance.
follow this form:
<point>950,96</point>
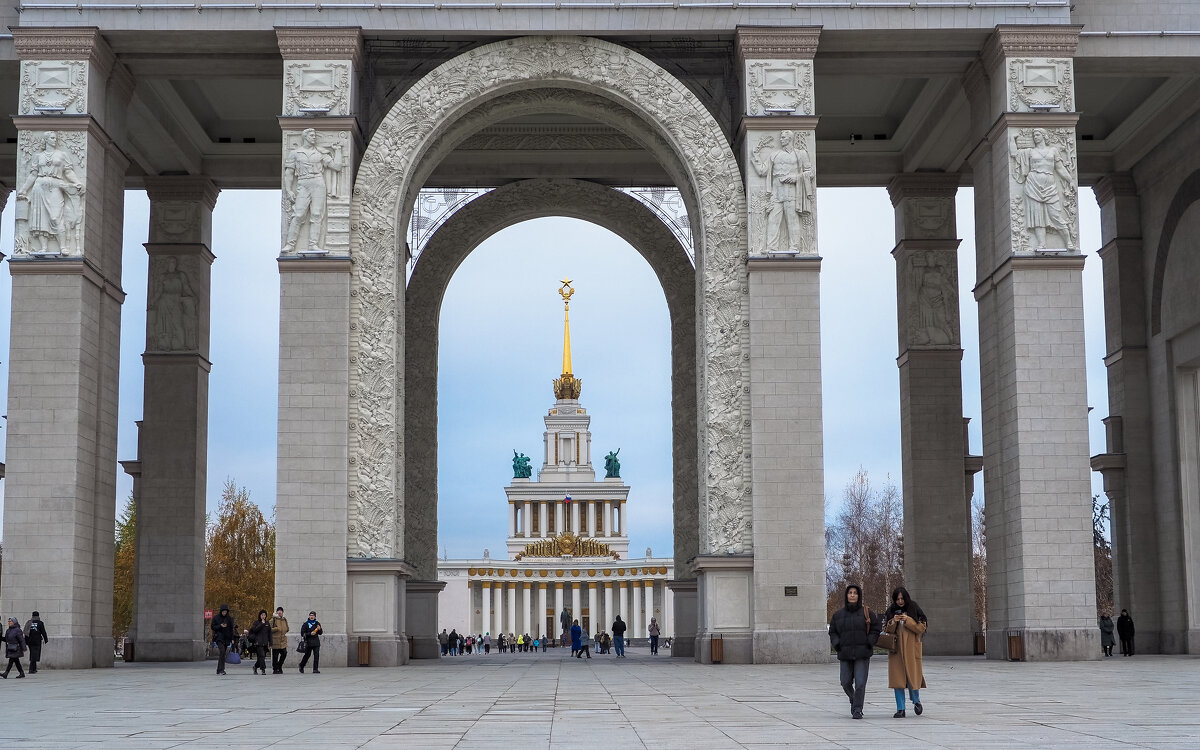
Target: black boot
<point>899,714</point>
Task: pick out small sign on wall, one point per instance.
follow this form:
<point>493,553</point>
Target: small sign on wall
<point>790,591</point>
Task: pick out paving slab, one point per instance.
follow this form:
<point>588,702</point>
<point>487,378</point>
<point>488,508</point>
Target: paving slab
<point>531,701</point>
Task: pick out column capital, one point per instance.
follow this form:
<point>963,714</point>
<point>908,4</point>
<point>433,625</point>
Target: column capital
<point>297,43</point>
<point>193,188</point>
<point>79,43</point>
<point>1115,185</point>
<point>923,185</point>
<point>794,43</point>
<point>1011,40</point>
<point>486,584</point>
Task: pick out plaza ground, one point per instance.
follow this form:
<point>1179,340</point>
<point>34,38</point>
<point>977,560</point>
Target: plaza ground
<point>553,701</point>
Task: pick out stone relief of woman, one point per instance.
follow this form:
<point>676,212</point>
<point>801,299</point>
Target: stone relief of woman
<point>53,193</point>
<point>173,306</point>
<point>1043,171</point>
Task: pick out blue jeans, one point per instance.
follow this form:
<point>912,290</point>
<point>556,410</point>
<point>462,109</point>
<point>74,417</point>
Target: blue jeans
<point>854,681</point>
<point>619,643</point>
<point>915,694</point>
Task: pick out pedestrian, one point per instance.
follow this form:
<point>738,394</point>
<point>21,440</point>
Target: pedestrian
<point>454,641</point>
<point>1125,632</point>
<point>14,648</point>
<point>260,641</point>
<point>35,636</point>
<point>618,631</point>
<point>521,643</point>
<point>501,642</point>
<point>853,632</point>
<point>444,641</point>
<point>487,642</point>
<point>905,620</point>
<point>224,634</point>
<point>584,644</point>
<point>279,645</point>
<point>654,631</point>
<point>543,643</point>
<point>311,631</point>
<point>1106,634</point>
<point>576,634</point>
<point>244,646</point>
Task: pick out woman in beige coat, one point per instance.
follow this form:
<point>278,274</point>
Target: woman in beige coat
<point>907,622</point>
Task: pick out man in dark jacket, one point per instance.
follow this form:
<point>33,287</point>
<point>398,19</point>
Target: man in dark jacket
<point>224,633</point>
<point>35,636</point>
<point>853,631</point>
<point>1125,632</point>
<point>618,631</point>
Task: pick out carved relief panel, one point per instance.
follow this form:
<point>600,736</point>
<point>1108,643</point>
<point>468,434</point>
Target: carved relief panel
<point>1044,190</point>
<point>173,304</point>
<point>1041,84</point>
<point>928,218</point>
<point>51,174</point>
<point>175,221</point>
<point>779,87</point>
<point>930,302</point>
<point>316,192</point>
<point>53,86</point>
<point>781,192</point>
<point>316,86</point>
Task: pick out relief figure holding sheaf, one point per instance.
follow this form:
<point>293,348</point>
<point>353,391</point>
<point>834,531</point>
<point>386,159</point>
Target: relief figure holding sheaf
<point>1043,171</point>
<point>172,306</point>
<point>792,184</point>
<point>308,174</point>
<point>53,194</point>
<point>934,298</point>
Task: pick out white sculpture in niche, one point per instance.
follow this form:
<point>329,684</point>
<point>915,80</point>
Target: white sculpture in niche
<point>310,176</point>
<point>50,200</point>
<point>317,86</point>
<point>934,321</point>
<point>53,86</point>
<point>172,309</point>
<point>779,87</point>
<point>1041,85</point>
<point>792,190</point>
<point>1043,165</point>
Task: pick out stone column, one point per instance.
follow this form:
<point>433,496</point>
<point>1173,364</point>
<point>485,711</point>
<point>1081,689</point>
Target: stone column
<point>1128,460</point>
<point>558,607</point>
<point>623,603</point>
<point>593,607</point>
<point>575,528</point>
<point>784,589</point>
<point>637,625</point>
<point>649,586</point>
<point>1041,584</point>
<point>512,518</point>
<point>498,616</point>
<point>486,608</point>
<point>621,518</point>
<point>608,606</point>
<point>527,606</point>
<point>576,603</point>
<point>64,356</point>
<point>607,518</point>
<point>937,511</point>
<point>540,620</point>
<point>543,516</point>
<point>174,450</point>
<point>559,520</point>
<point>316,487</point>
<point>511,609</point>
<point>527,524</point>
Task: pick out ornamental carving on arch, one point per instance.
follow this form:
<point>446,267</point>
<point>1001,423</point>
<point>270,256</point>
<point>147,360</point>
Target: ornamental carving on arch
<point>377,450</point>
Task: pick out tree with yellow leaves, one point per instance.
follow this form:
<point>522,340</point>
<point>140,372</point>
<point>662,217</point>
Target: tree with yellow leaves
<point>124,550</point>
<point>239,569</point>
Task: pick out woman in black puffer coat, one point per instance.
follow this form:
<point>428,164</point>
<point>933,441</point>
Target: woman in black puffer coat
<point>853,631</point>
<point>14,647</point>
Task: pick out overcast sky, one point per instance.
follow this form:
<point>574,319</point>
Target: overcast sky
<point>501,345</point>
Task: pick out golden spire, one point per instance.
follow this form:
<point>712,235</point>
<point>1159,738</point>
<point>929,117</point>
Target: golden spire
<point>567,386</point>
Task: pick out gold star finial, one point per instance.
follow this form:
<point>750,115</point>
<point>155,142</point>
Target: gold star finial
<point>566,290</point>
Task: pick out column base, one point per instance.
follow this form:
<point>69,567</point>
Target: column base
<point>1046,644</point>
<point>421,618</point>
<point>736,648</point>
<point>75,652</point>
<point>334,651</point>
<point>791,646</point>
<point>164,650</point>
<point>683,618</point>
<point>960,643</point>
<point>386,651</point>
<point>725,599</point>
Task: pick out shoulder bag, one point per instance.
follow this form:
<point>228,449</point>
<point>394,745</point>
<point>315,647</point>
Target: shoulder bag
<point>302,645</point>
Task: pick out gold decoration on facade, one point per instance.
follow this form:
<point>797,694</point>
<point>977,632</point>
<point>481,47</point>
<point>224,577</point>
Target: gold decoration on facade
<point>567,386</point>
<point>567,543</point>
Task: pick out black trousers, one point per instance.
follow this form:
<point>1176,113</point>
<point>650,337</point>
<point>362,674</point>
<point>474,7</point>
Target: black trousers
<point>35,655</point>
<point>278,655</point>
<point>261,661</point>
<point>222,648</point>
<point>1127,646</point>
<point>11,661</point>
<point>315,653</point>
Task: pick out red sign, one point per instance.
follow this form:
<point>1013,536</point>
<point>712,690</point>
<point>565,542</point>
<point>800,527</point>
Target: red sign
<point>208,614</point>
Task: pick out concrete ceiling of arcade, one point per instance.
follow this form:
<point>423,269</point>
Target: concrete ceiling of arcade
<point>213,108</point>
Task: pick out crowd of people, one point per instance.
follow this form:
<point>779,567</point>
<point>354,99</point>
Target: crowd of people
<point>582,644</point>
<point>18,640</point>
<point>454,643</point>
<point>265,634</point>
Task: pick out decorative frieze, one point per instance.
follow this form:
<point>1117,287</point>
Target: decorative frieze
<point>779,87</point>
<point>317,87</point>
<point>1041,84</point>
<point>53,86</point>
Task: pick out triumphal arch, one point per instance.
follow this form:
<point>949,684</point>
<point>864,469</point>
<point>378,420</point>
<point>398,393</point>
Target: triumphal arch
<point>360,112</point>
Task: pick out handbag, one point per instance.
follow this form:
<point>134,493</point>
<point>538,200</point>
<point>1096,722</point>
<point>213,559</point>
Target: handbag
<point>233,658</point>
<point>888,642</point>
<point>302,645</point>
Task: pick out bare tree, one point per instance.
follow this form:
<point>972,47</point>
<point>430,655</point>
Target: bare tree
<point>1102,554</point>
<point>979,561</point>
<point>865,543</point>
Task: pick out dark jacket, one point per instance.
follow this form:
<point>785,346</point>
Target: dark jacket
<point>14,642</point>
<point>853,630</point>
<point>35,632</point>
<point>224,629</point>
<point>260,634</point>
<point>1106,632</point>
<point>1125,627</point>
<point>576,635</point>
<point>311,633</point>
<point>618,628</point>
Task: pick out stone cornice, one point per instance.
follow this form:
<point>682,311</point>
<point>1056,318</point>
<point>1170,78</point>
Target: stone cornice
<point>945,244</point>
<point>1000,128</point>
<point>783,262</point>
<point>177,249</point>
<point>1116,185</point>
<point>923,185</point>
<point>66,267</point>
<point>191,188</point>
<point>315,264</point>
<point>80,43</point>
<point>320,44</point>
<point>1030,41</point>
<point>1046,262</point>
<point>796,43</point>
